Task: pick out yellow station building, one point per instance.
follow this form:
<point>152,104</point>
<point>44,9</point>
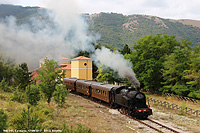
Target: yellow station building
<point>81,68</point>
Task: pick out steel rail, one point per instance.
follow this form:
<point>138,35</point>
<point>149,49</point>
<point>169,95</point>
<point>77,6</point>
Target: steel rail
<point>163,126</point>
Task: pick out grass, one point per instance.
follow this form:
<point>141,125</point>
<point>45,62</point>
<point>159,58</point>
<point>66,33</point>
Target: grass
<point>175,101</point>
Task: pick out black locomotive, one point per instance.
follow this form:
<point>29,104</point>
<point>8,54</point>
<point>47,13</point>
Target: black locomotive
<point>128,100</point>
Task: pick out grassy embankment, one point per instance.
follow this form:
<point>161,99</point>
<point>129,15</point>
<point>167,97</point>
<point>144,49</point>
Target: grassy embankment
<point>51,117</point>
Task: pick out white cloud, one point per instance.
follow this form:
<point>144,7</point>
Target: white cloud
<point>177,9</point>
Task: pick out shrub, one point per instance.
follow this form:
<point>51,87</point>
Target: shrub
<point>18,96</point>
<point>59,95</point>
<point>27,120</point>
<point>44,112</point>
<point>3,120</point>
<point>22,76</point>
<point>50,125</point>
<point>4,85</point>
<point>78,129</point>
<point>33,94</point>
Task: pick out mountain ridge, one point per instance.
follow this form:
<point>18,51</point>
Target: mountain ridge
<point>118,29</point>
<point>128,29</point>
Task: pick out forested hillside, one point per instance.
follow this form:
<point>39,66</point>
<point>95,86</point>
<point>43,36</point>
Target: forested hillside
<point>21,13</point>
<point>118,29</point>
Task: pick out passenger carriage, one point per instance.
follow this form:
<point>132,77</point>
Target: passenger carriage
<point>83,86</point>
<point>70,83</point>
<point>102,91</point>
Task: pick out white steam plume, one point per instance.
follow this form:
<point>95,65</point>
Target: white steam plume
<point>65,34</point>
<point>118,63</point>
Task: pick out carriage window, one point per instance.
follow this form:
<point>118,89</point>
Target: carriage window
<point>98,91</point>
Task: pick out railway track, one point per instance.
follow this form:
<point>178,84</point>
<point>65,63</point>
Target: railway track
<point>159,128</point>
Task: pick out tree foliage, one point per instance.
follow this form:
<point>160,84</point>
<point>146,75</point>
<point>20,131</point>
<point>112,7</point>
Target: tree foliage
<point>49,76</point>
<point>162,63</point>
<point>174,66</point>
<point>59,95</point>
<point>22,76</point>
<point>148,58</point>
<point>28,120</point>
<point>4,85</point>
<point>33,94</point>
<point>193,74</point>
<point>126,50</point>
<point>6,69</point>
<point>107,75</point>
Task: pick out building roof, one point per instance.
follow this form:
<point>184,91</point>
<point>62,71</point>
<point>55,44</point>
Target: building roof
<point>81,58</point>
<point>66,66</point>
<point>63,58</point>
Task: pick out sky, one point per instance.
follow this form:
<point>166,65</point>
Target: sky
<point>174,9</point>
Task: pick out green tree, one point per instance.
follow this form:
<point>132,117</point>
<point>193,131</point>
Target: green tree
<point>126,50</point>
<point>59,95</point>
<point>4,85</point>
<point>22,76</point>
<point>107,75</point>
<point>148,57</point>
<point>6,69</point>
<point>193,74</point>
<point>174,66</point>
<point>28,120</point>
<point>3,121</point>
<point>33,94</point>
<point>49,76</point>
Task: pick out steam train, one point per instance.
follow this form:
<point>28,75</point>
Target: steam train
<point>128,100</point>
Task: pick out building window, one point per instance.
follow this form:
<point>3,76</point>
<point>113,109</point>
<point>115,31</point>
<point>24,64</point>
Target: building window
<point>85,64</point>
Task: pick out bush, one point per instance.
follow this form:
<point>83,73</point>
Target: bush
<point>4,85</point>
<point>44,112</point>
<point>22,76</point>
<point>78,129</point>
<point>50,125</point>
<point>18,96</point>
<point>3,121</point>
<point>27,120</point>
<point>33,94</point>
<point>59,95</point>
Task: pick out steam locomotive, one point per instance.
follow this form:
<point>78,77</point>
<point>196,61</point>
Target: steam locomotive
<point>128,100</point>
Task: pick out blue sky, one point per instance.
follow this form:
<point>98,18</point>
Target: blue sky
<point>175,9</point>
